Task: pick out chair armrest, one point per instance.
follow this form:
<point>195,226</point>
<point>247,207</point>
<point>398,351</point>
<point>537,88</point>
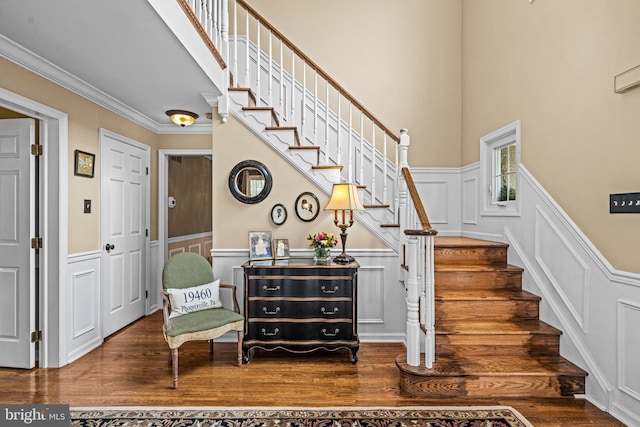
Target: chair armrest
<point>236,307</point>
<point>166,309</point>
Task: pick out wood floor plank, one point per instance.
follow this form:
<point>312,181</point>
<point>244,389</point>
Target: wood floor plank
<point>131,369</point>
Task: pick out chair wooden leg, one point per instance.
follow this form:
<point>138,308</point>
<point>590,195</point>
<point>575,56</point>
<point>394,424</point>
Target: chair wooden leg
<point>211,349</point>
<point>174,359</point>
<point>239,348</point>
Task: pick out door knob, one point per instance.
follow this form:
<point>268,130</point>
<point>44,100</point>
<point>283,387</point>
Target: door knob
<point>108,247</point>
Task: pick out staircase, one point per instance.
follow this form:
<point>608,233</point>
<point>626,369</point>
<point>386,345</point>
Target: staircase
<point>489,340</point>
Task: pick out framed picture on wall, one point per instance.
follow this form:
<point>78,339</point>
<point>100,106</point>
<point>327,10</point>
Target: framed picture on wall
<point>278,214</point>
<point>83,164</point>
<point>260,245</point>
<point>307,206</point>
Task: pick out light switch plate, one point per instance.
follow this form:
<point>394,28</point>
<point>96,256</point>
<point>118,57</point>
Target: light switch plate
<point>87,206</point>
<point>624,203</point>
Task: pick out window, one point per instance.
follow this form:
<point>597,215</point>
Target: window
<point>499,159</point>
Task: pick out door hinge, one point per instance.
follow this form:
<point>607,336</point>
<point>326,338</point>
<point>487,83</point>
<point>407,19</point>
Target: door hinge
<point>36,150</point>
<point>146,232</point>
<point>146,294</point>
<point>36,243</point>
<point>36,336</point>
<point>147,170</point>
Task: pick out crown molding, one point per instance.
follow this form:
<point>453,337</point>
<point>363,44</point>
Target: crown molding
<point>40,66</point>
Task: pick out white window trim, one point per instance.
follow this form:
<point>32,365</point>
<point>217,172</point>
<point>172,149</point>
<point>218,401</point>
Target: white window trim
<point>488,144</point>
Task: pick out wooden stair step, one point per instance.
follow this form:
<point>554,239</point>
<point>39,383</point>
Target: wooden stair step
<point>485,304</point>
<point>375,206</point>
<point>465,251</point>
<point>507,277</point>
<point>523,337</point>
<point>506,376</point>
<point>252,97</point>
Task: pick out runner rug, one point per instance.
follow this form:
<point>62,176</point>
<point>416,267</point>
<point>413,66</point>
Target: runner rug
<point>494,416</point>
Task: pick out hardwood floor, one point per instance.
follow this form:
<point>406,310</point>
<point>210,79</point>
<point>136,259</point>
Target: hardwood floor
<point>131,369</point>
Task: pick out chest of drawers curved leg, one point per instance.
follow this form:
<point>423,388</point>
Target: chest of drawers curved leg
<point>301,307</point>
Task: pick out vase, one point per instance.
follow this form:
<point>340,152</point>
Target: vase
<point>321,255</point>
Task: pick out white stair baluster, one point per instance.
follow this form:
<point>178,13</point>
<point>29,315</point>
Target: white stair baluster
<point>235,43</point>
<point>293,88</point>
<point>258,66</point>
<point>384,168</point>
<point>303,109</point>
<point>339,130</point>
<point>361,165</point>
<point>373,163</point>
<point>349,147</point>
<point>281,95</point>
<point>326,124</point>
<point>270,58</point>
<point>315,108</point>
<point>247,83</point>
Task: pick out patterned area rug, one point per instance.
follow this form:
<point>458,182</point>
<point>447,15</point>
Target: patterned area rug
<point>495,416</point>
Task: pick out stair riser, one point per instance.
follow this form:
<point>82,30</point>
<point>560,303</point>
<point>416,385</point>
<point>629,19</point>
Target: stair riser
<point>488,385</point>
<point>486,310</point>
<point>497,345</point>
<point>511,281</point>
<point>468,256</point>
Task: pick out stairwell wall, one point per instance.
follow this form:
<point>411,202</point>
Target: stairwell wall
<point>551,65</point>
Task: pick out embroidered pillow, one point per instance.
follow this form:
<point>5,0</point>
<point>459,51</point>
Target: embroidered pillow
<point>189,300</point>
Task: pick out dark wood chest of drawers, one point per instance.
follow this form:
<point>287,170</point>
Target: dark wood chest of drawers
<point>300,307</point>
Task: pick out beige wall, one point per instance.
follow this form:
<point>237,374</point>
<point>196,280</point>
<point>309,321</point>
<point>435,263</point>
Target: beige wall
<point>551,64</point>
<point>85,119</point>
<point>399,59</point>
<point>232,220</point>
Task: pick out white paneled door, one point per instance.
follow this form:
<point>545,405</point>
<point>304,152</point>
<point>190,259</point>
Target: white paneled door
<point>17,259</point>
<point>124,230</point>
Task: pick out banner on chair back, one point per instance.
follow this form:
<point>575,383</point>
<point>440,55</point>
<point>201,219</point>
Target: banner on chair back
<point>34,415</point>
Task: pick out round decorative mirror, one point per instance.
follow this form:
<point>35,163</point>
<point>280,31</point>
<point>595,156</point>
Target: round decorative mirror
<point>250,181</point>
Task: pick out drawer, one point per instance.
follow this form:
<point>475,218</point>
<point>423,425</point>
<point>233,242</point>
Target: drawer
<point>300,287</point>
<point>300,332</point>
<point>324,309</point>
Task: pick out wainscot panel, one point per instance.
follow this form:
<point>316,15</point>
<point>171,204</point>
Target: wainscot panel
<point>83,283</point>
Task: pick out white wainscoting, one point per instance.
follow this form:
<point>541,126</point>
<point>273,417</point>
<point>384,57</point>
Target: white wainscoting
<point>83,317</point>
<point>381,296</point>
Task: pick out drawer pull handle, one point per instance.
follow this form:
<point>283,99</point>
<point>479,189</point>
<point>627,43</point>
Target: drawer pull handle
<point>324,311</point>
<point>270,334</point>
<point>329,291</point>
<point>276,311</point>
<point>266,288</point>
<point>329,334</point>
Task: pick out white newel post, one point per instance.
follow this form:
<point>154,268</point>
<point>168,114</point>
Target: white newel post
<point>413,322</point>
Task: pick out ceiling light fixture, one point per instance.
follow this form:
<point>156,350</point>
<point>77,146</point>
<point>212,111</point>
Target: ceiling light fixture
<point>182,117</point>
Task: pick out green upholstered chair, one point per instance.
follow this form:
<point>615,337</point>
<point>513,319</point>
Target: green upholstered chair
<point>188,270</point>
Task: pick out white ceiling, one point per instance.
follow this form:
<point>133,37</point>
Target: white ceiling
<point>120,47</point>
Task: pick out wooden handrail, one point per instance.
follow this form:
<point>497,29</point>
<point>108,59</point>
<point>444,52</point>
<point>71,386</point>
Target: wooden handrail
<point>317,68</point>
<point>417,202</point>
<point>202,32</point>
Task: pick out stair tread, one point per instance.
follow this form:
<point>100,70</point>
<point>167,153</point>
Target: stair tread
<point>464,242</point>
<point>479,268</point>
<point>281,128</point>
<point>304,147</point>
<point>455,366</point>
<point>483,295</point>
<point>488,327</point>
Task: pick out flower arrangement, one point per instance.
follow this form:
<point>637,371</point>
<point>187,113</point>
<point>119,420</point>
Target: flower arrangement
<point>323,240</point>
